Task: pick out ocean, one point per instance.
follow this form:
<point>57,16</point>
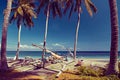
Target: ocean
<point>80,54</point>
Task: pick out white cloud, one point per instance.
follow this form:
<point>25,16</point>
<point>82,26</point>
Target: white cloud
<point>41,43</point>
<point>50,48</point>
<point>58,45</point>
<point>27,46</point>
<point>0,46</point>
<point>71,48</point>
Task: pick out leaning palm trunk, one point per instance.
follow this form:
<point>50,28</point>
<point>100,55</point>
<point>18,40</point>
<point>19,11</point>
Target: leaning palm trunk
<point>113,64</point>
<point>45,36</point>
<point>4,65</point>
<point>18,45</point>
<point>76,37</point>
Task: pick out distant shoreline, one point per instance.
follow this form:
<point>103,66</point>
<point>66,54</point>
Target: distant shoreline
<point>80,54</point>
<point>67,51</point>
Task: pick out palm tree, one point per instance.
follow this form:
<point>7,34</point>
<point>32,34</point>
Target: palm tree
<point>23,12</point>
<point>53,6</point>
<point>4,65</point>
<point>76,7</point>
<point>113,64</point>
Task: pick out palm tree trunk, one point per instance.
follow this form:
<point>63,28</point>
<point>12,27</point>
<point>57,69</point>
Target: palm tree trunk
<point>18,46</point>
<point>113,64</point>
<point>45,36</point>
<point>76,37</point>
<point>4,65</point>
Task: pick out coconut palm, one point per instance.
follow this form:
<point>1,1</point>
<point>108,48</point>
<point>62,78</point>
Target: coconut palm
<point>113,64</point>
<point>75,6</point>
<point>49,6</point>
<point>23,11</point>
<point>7,11</point>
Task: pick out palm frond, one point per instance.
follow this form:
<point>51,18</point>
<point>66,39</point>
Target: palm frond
<point>68,4</point>
<point>32,5</point>
<point>78,6</point>
<point>20,10</point>
<point>53,9</point>
<point>71,10</point>
<point>46,8</point>
<point>31,13</point>
<point>61,3</point>
<point>23,12</point>
<point>29,22</point>
<point>11,19</point>
<point>42,3</point>
<point>58,9</point>
<point>15,15</point>
<point>24,22</point>
<point>88,7</point>
<point>92,6</point>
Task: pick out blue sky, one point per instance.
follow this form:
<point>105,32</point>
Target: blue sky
<point>94,32</point>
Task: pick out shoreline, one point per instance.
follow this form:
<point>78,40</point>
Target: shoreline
<point>80,57</point>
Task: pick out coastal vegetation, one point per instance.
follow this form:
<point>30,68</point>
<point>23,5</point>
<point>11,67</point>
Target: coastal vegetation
<point>23,13</point>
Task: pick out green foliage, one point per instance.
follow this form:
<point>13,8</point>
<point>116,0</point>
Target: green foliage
<point>83,78</point>
<point>110,77</point>
<point>88,71</point>
<point>22,12</point>
<point>72,77</point>
<point>113,77</point>
<point>89,78</point>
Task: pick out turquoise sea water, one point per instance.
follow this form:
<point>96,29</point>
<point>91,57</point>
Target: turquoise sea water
<point>80,54</point>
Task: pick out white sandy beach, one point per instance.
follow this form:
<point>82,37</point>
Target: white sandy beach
<point>51,69</point>
<point>87,62</point>
<point>57,66</point>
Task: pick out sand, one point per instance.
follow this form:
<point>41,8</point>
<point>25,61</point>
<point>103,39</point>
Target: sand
<point>57,66</point>
<point>51,69</point>
<point>87,62</point>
